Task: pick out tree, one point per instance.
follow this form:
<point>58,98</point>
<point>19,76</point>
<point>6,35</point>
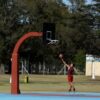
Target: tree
<point>79,60</point>
<point>76,4</point>
<point>74,29</point>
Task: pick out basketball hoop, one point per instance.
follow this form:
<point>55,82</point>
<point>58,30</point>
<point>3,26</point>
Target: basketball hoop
<point>53,41</point>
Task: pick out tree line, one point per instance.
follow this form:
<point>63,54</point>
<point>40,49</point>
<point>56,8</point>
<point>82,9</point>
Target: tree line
<point>77,29</point>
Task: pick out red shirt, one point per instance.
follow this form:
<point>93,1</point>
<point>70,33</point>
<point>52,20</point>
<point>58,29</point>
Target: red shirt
<point>70,71</point>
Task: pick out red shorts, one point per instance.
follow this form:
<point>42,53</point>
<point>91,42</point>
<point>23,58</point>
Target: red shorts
<point>70,78</point>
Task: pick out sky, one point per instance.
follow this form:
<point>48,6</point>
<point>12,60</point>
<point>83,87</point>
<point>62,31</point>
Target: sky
<point>88,1</point>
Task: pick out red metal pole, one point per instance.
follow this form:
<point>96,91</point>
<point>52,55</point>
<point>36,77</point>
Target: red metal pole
<point>15,68</point>
<point>15,74</point>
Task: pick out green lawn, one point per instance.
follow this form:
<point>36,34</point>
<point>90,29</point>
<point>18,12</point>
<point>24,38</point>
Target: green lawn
<point>50,83</point>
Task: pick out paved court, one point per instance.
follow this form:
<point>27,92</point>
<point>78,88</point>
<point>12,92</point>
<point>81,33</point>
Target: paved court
<point>51,96</point>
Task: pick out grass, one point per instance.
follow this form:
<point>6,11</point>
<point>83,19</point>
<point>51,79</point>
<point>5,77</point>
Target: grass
<point>56,83</point>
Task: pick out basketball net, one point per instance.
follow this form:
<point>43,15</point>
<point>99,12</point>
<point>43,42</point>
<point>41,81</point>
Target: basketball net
<point>52,42</point>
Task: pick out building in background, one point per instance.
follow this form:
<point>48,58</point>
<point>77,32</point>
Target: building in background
<point>92,66</point>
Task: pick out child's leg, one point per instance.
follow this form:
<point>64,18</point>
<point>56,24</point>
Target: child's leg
<point>70,86</point>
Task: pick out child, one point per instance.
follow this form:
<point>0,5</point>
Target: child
<point>70,73</point>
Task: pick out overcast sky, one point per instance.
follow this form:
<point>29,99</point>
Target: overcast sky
<point>88,1</point>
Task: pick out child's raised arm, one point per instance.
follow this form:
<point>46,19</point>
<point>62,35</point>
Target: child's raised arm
<point>61,57</point>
